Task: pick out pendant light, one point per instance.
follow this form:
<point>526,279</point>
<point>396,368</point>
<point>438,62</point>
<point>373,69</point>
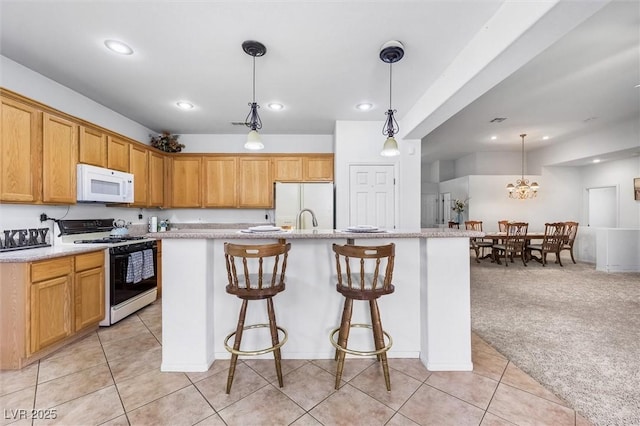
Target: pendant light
<point>522,190</point>
<point>391,52</point>
<point>253,48</point>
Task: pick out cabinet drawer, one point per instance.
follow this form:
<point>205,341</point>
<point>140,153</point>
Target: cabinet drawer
<point>47,269</point>
<point>89,261</point>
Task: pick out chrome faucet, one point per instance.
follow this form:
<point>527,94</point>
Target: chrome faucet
<point>314,221</point>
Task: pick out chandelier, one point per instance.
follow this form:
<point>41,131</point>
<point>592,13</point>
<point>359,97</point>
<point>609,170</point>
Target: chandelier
<point>522,189</point>
<point>253,48</point>
<point>392,51</point>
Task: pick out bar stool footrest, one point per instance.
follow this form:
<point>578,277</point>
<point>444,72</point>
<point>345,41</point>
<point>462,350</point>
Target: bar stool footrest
<point>356,352</point>
<point>259,351</point>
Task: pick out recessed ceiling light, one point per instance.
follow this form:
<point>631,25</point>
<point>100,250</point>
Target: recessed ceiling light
<point>493,138</point>
<point>596,160</point>
<point>184,105</point>
<point>637,85</point>
<point>364,107</point>
<point>275,106</point>
<point>544,138</point>
<point>118,47</point>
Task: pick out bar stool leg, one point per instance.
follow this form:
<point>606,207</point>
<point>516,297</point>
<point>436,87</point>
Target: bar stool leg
<point>274,339</point>
<point>378,337</point>
<point>236,344</point>
<point>343,337</point>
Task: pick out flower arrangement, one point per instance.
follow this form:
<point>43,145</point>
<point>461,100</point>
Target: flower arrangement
<point>166,142</point>
<point>458,206</point>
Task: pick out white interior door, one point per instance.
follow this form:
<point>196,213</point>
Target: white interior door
<point>372,195</point>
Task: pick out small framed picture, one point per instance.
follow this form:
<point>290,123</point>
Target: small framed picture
<point>636,188</point>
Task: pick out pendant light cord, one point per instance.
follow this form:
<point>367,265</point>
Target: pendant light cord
<point>522,136</point>
<point>390,82</point>
<point>254,79</point>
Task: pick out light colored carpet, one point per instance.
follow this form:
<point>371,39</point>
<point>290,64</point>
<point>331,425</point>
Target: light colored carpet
<point>573,329</point>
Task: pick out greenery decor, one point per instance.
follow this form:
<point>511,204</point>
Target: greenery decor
<point>166,142</point>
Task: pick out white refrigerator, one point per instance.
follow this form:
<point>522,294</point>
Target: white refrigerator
<point>291,198</point>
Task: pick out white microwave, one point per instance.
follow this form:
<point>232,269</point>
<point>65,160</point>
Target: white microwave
<point>97,184</point>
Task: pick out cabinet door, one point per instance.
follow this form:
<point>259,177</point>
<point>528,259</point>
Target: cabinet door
<point>50,311</point>
<point>89,297</point>
<point>139,166</point>
<point>220,189</point>
<point>156,180</point>
<point>255,183</point>
<point>19,151</point>
<point>185,181</point>
<point>92,147</point>
<point>318,168</point>
<point>117,154</point>
<point>59,159</point>
<point>287,169</point>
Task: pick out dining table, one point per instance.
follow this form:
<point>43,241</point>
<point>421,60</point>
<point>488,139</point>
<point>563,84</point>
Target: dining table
<point>495,237</point>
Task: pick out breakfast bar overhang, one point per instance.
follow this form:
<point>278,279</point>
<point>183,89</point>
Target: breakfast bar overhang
<point>428,315</point>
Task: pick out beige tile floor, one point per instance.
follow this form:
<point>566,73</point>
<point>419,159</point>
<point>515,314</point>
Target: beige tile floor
<point>113,377</point>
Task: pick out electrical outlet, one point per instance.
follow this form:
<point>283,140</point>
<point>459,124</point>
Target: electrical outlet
<point>139,215</point>
<point>43,217</point>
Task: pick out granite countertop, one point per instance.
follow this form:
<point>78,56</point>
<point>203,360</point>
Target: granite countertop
<point>208,233</point>
<point>42,253</point>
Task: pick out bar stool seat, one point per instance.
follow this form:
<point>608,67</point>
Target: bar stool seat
<point>366,278</point>
<point>255,272</point>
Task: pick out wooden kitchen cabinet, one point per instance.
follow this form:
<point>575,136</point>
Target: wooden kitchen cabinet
<point>50,305</point>
<point>59,159</point>
<point>47,304</point>
<point>20,142</point>
<point>255,183</point>
<point>318,167</point>
<point>117,153</point>
<point>186,175</point>
<point>287,169</point>
<point>89,291</point>
<point>92,146</point>
<point>156,180</point>
<point>219,186</point>
<point>139,167</point>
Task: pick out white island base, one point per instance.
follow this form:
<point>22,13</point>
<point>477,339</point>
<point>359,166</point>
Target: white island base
<point>428,315</point>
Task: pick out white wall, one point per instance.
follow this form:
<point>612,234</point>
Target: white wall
<point>360,142</point>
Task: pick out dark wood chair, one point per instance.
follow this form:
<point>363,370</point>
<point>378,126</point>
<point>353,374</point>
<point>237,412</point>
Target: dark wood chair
<point>554,236</point>
<point>502,225</point>
<point>513,244</point>
<point>454,225</point>
<point>478,244</point>
<point>363,273</point>
<point>570,231</point>
<point>255,272</point>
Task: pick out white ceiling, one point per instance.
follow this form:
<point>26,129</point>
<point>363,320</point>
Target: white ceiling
<point>322,60</point>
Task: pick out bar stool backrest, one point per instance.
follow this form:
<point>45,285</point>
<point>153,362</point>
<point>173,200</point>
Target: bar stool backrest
<point>270,260</point>
<point>364,272</point>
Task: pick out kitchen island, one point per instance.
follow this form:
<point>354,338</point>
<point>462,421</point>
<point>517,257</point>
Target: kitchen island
<point>428,315</point>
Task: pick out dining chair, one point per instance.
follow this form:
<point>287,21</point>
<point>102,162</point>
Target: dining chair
<point>514,243</point>
<point>570,231</point>
<point>454,225</point>
<point>502,225</point>
<point>477,244</point>
<point>554,236</point>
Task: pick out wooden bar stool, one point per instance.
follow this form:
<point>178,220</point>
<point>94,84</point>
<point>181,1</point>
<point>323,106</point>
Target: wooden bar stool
<point>367,279</point>
<point>247,283</point>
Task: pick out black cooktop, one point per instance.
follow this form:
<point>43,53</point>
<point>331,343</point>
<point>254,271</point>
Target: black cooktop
<point>107,240</point>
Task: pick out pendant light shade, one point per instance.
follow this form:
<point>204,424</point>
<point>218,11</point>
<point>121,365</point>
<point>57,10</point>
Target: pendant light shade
<point>253,48</point>
<point>391,52</point>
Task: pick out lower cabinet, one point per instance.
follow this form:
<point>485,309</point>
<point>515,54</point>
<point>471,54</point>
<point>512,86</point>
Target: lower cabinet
<point>46,304</point>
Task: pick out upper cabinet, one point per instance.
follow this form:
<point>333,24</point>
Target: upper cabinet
<point>92,147</point>
<point>20,141</point>
<point>139,167</point>
<point>156,179</point>
<point>287,169</point>
<point>186,173</point>
<point>220,187</point>
<point>117,153</point>
<point>59,159</point>
<point>255,184</point>
<point>318,167</point>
